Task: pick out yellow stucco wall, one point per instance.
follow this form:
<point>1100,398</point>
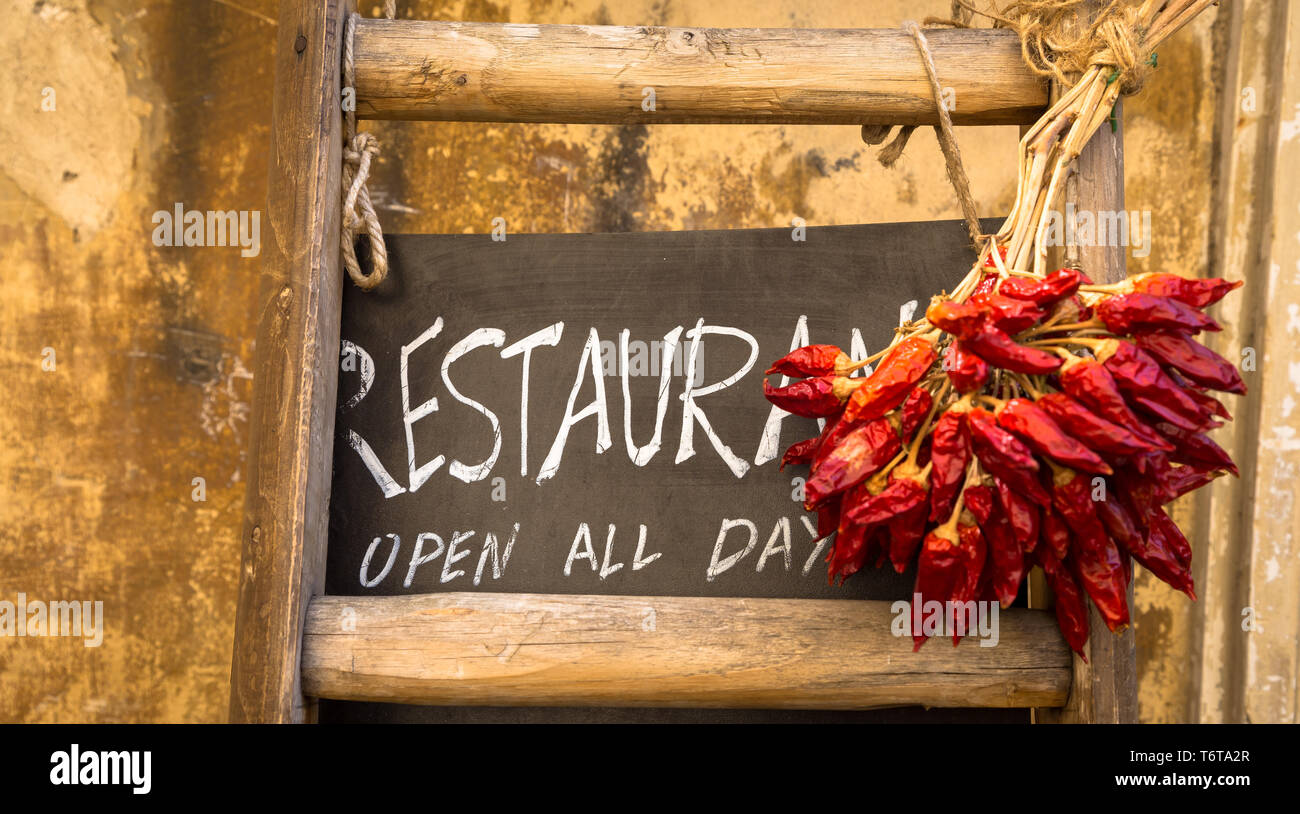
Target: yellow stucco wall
<point>165,102</point>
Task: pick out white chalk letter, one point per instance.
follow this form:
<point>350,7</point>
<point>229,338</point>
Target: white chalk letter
<point>590,362</point>
<point>409,417</point>
<point>691,411</point>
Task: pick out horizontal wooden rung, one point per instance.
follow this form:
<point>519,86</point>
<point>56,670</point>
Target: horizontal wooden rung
<point>557,650</point>
<point>452,71</point>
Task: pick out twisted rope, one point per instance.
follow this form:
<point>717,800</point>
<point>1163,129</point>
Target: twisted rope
<point>875,134</point>
<point>947,140</point>
<point>358,151</point>
<point>1060,38</point>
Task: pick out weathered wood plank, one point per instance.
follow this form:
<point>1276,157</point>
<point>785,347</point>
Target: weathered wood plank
<point>551,650</point>
<point>1104,689</point>
<point>1245,663</point>
<point>452,71</point>
<point>287,505</point>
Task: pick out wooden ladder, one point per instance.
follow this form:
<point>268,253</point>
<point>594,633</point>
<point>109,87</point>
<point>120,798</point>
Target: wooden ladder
<point>291,646</point>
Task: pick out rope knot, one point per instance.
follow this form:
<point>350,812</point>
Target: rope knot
<point>358,211</point>
<point>1119,46</point>
<point>1058,40</point>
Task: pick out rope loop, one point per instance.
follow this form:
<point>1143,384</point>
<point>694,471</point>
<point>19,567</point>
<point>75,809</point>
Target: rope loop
<point>359,149</point>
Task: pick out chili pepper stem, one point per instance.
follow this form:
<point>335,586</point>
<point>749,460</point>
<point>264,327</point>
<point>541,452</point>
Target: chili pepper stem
<point>1050,344</point>
<point>883,474</point>
<point>859,363</point>
<point>1028,386</point>
<point>924,429</point>
<point>1069,326</point>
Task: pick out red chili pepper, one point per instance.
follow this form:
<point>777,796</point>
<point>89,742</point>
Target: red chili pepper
<point>1164,532</point>
<point>886,388</point>
<point>828,516</point>
<point>967,371</point>
<point>969,573</point>
<point>1021,514</point>
<point>862,534</point>
<point>1196,448</point>
<point>1095,556</point>
<point>989,262</point>
<point>902,494</point>
<point>1003,455</point>
<point>1195,361</point>
<point>987,284</point>
<point>1153,466</point>
<point>1151,554</point>
<point>1137,313</point>
<point>1056,286</point>
<point>939,570</point>
<point>1091,383</point>
<point>1145,384</point>
<point>878,546</point>
<point>1034,426</point>
<point>812,398</point>
<point>859,454</point>
<point>949,456</point>
<point>832,434</point>
<point>915,408</point>
<point>1071,610</point>
<point>1183,479</point>
<point>1212,406</point>
<point>1093,430</point>
<point>1070,310</point>
<point>973,551</point>
<point>996,347</point>
<point>812,360</point>
<point>1008,313</point>
<point>1006,555</point>
<point>905,532</point>
<point>850,550</point>
<point>1055,534</point>
<point>1139,492</point>
<point>800,452</point>
<point>961,319</point>
<point>1155,412</point>
<point>1197,293</point>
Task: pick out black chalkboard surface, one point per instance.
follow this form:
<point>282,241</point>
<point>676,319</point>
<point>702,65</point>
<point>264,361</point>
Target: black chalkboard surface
<point>584,414</point>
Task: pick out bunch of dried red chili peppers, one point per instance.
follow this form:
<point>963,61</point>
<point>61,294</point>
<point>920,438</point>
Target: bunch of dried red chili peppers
<point>1028,420</point>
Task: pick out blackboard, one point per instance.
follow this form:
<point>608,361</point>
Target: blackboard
<point>447,495</point>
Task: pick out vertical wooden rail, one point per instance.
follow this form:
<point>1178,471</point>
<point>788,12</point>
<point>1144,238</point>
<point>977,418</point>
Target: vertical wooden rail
<point>287,506</point>
<point>1104,689</point>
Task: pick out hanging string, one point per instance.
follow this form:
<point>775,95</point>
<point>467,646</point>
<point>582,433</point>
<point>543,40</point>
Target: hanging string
<point>875,134</point>
<point>359,149</point>
<point>1060,39</point>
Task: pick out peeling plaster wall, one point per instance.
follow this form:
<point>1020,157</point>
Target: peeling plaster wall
<point>164,102</point>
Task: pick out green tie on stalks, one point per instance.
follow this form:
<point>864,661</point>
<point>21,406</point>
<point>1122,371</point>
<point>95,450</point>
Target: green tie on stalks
<point>1026,421</point>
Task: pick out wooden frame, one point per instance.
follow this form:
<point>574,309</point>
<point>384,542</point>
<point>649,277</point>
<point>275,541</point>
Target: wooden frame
<point>290,644</point>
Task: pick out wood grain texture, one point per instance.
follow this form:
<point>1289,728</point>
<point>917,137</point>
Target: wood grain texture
<point>286,508</point>
<point>451,71</point>
<point>547,650</point>
<point>1245,663</point>
<point>1104,689</point>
